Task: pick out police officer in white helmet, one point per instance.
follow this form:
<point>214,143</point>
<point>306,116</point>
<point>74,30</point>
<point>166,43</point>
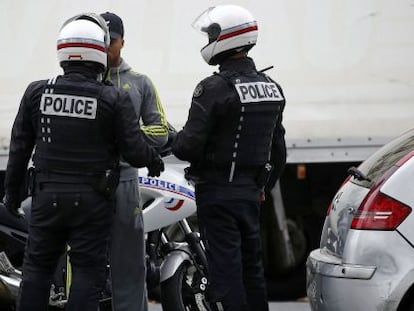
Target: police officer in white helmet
<point>234,140</point>
<point>79,126</point>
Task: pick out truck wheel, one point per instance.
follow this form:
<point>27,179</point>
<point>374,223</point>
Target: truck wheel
<point>182,292</point>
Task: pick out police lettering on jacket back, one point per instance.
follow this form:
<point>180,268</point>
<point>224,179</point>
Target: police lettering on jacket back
<point>68,105</point>
<point>253,92</point>
<point>247,139</point>
<point>69,134</point>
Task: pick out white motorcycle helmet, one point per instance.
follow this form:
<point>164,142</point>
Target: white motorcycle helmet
<point>230,28</point>
<point>84,38</point>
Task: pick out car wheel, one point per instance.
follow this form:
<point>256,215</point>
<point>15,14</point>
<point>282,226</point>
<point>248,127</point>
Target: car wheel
<point>407,304</point>
<point>408,307</point>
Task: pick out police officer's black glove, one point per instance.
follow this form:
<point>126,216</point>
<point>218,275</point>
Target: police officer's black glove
<point>12,205</point>
<point>155,167</point>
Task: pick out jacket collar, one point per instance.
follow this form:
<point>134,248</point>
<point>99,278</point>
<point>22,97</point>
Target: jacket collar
<point>243,64</point>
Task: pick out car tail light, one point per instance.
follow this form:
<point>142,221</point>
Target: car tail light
<point>379,212</point>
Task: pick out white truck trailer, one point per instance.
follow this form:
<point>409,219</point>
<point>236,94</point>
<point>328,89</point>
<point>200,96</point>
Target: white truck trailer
<point>346,67</point>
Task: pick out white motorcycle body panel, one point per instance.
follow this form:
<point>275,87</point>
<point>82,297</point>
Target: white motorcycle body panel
<point>173,195</point>
<point>173,261</point>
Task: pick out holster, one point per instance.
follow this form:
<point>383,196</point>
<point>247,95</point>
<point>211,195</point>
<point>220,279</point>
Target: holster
<point>264,175</point>
<point>30,181</point>
<point>107,183</point>
<point>192,175</point>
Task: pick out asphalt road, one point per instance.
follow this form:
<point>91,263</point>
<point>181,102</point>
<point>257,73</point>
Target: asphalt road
<point>273,306</point>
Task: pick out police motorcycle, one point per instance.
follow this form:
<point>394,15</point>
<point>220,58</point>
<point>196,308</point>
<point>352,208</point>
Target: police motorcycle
<point>176,257</point>
<point>176,262</point>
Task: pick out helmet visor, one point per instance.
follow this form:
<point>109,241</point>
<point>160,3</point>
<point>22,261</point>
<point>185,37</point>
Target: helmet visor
<point>205,24</point>
<point>203,20</point>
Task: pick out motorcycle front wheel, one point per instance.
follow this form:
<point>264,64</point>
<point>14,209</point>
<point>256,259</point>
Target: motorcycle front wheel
<point>185,290</point>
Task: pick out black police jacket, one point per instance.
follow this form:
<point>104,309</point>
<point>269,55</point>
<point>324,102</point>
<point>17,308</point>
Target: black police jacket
<point>78,125</point>
<point>235,119</point>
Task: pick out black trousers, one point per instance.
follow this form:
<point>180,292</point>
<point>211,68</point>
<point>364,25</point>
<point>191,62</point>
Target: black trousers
<point>66,214</point>
<point>229,223</point>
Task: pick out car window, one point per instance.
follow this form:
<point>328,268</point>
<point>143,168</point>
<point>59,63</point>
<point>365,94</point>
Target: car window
<point>377,164</point>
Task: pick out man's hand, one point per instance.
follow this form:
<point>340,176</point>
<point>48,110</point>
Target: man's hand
<point>12,205</point>
<point>155,167</point>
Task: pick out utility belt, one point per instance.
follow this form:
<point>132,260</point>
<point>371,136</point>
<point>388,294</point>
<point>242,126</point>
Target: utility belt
<point>104,182</point>
<point>259,174</point>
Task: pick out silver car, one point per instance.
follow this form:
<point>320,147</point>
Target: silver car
<point>366,257</point>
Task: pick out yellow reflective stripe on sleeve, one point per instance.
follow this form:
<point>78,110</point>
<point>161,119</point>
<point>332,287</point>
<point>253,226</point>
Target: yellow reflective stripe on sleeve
<point>162,128</point>
<point>160,108</point>
<point>155,130</point>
